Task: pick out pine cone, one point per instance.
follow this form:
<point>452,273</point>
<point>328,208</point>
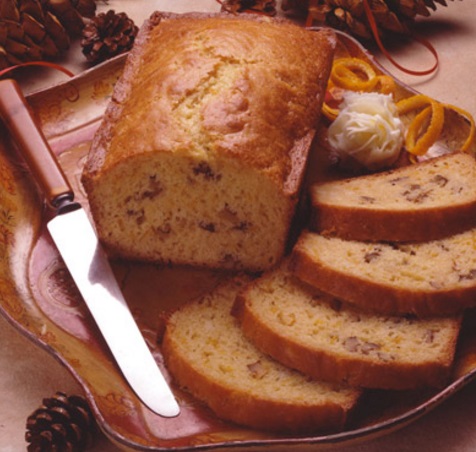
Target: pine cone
<point>267,7</point>
<point>34,30</point>
<point>106,35</point>
<point>62,423</point>
<point>349,15</point>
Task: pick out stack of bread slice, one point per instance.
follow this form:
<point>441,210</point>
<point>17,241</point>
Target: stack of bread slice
<point>294,348</point>
<point>329,339</point>
<point>395,269</point>
<point>207,354</point>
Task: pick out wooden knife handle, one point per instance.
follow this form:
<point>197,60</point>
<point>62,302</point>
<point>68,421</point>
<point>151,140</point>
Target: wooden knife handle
<point>20,121</point>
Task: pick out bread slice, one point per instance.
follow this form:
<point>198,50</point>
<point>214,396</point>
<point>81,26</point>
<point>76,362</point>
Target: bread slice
<point>206,352</point>
<point>330,340</point>
<point>425,201</point>
<point>425,278</point>
<point>206,139</point>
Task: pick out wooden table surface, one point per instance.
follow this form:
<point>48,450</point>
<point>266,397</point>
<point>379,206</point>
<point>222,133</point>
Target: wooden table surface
<point>28,373</point>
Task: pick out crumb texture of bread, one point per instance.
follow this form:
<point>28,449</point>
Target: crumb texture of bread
<point>205,141</point>
<point>330,340</point>
<point>424,201</point>
<point>207,354</point>
<point>437,277</point>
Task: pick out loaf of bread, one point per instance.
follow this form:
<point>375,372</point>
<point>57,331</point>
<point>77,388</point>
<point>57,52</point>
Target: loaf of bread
<point>330,340</point>
<point>420,202</point>
<point>204,143</point>
<point>423,278</point>
<point>207,354</point>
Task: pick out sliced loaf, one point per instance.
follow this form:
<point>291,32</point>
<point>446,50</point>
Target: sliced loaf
<point>426,278</point>
<point>330,340</point>
<point>207,354</point>
<point>425,201</point>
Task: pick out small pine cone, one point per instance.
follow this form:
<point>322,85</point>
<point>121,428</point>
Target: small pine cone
<point>62,424</point>
<point>107,35</point>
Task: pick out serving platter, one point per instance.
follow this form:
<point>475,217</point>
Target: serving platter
<point>38,297</point>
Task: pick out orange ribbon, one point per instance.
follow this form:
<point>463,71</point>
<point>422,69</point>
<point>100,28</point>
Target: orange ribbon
<point>37,63</point>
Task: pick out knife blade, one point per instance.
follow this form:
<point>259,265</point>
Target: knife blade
<point>87,262</point>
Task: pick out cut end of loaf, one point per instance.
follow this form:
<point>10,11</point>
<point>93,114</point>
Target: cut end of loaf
<point>186,210</point>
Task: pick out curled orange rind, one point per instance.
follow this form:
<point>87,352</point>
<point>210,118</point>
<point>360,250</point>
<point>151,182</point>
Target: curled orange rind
<point>418,142</point>
<point>353,74</point>
<point>433,114</point>
<point>329,112</point>
<point>413,103</point>
<point>386,84</point>
<point>358,75</point>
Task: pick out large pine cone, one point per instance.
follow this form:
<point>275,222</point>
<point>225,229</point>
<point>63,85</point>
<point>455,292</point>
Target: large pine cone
<point>35,30</point>
<point>61,424</point>
<point>349,15</point>
<point>107,35</point>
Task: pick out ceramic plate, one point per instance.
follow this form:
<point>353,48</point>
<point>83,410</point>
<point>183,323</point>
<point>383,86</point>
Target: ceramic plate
<point>38,297</point>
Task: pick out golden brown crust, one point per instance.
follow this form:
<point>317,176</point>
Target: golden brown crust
<point>225,120</point>
<point>376,296</point>
<point>234,404</point>
<point>353,223</point>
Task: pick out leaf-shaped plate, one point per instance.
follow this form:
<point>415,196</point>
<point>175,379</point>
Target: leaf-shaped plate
<point>38,297</point>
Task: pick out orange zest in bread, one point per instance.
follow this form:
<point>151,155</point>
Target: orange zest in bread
<point>420,202</point>
<point>330,340</point>
<point>425,278</point>
<point>207,354</point>
<point>205,140</point>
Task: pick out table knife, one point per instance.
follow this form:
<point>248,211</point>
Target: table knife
<point>77,242</point>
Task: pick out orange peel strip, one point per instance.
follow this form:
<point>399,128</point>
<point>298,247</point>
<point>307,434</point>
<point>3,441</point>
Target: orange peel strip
<point>413,103</point>
<point>417,144</point>
<point>353,74</point>
<point>386,84</point>
<point>329,112</point>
